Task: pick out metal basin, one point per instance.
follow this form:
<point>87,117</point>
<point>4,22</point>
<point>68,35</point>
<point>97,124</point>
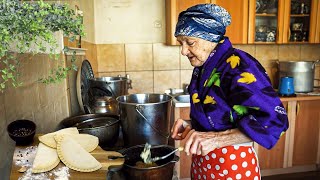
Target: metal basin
<point>185,98</point>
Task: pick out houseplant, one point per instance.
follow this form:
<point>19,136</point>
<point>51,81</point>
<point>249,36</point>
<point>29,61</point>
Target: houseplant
<point>29,27</point>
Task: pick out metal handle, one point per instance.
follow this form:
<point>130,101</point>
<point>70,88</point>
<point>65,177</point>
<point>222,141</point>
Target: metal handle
<point>314,63</point>
<point>137,109</point>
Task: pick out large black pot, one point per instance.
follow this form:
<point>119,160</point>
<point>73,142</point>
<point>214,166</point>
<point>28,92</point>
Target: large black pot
<point>104,126</point>
<point>163,171</point>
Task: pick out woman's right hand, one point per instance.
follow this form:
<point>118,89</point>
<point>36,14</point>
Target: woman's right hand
<point>180,129</point>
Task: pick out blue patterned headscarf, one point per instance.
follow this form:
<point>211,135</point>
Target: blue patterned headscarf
<point>205,21</point>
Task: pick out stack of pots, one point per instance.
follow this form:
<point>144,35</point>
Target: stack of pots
<point>302,73</point>
<point>103,92</point>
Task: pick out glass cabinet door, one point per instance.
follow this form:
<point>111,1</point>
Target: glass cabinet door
<point>264,21</point>
<point>300,11</point>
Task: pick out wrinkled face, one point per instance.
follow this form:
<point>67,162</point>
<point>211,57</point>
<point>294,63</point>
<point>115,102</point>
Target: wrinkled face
<point>197,50</point>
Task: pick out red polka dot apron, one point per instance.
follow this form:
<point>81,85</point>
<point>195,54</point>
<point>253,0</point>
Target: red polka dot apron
<point>227,163</point>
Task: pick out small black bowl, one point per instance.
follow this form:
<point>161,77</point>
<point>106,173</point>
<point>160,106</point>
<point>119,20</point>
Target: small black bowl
<point>22,131</point>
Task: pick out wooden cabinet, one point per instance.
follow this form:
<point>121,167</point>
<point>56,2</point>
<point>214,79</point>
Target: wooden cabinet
<point>237,31</point>
<point>283,21</point>
<point>306,134</point>
<point>259,21</point>
<point>297,150</point>
<point>173,8</point>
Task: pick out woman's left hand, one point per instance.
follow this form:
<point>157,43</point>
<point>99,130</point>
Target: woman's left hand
<point>200,143</point>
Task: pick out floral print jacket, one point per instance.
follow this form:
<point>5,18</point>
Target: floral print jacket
<point>233,90</point>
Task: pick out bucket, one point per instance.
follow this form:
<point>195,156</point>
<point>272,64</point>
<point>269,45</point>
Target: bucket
<point>145,118</point>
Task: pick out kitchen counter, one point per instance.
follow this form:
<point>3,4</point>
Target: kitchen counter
<point>299,97</point>
<point>24,155</point>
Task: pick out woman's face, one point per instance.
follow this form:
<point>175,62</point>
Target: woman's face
<point>196,49</point>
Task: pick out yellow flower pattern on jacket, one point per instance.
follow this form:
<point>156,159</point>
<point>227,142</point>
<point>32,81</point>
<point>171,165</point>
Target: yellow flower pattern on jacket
<point>234,61</point>
<point>247,78</point>
<point>195,98</point>
<point>209,100</point>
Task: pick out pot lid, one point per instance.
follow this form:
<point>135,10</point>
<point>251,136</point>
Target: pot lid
<point>85,73</point>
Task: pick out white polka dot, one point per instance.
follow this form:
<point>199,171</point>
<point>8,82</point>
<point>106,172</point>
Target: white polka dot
<point>229,178</point>
<point>234,167</point>
<point>238,176</point>
<point>221,175</point>
<point>232,157</point>
<point>256,178</point>
<point>195,171</point>
<point>225,172</point>
<point>212,176</point>
<point>199,177</point>
<point>250,151</point>
<point>236,147</point>
<point>201,160</point>
<point>256,169</point>
<point>224,151</point>
<point>208,166</point>
<point>200,170</point>
<point>204,177</point>
<point>205,169</point>
<point>243,154</point>
<point>206,157</point>
<point>199,164</point>
<point>244,164</point>
<point>193,165</point>
<point>248,173</point>
<point>221,160</point>
<point>217,167</point>
<point>213,155</point>
<point>253,161</point>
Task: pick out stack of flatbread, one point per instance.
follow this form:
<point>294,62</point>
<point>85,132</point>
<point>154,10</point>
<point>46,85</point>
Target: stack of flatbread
<point>67,145</point>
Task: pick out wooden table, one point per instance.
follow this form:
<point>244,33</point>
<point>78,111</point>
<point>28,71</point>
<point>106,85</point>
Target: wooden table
<point>100,154</point>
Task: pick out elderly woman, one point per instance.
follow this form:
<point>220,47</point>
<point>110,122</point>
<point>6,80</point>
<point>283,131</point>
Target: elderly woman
<point>233,102</point>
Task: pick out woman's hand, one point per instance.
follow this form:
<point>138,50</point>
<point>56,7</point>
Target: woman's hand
<point>200,143</point>
<point>180,129</point>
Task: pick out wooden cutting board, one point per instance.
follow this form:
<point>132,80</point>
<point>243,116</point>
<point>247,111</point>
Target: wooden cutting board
<point>100,154</point>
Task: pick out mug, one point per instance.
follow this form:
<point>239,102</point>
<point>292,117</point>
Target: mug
<point>286,86</point>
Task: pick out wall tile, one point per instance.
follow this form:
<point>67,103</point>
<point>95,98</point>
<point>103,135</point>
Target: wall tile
<point>138,57</point>
<point>310,52</point>
<point>112,74</point>
<point>266,52</point>
<point>165,57</point>
<point>184,61</point>
<point>110,57</point>
<point>142,82</point>
<point>164,80</point>
<point>251,49</point>
<point>185,76</point>
<point>289,52</point>
<point>91,55</point>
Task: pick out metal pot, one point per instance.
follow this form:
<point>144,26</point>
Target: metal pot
<point>104,126</point>
<point>109,86</point>
<point>104,105</point>
<point>163,170</point>
<point>302,73</point>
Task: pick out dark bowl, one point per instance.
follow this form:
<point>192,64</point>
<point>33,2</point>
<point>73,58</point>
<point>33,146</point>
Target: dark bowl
<point>22,131</point>
<point>104,126</point>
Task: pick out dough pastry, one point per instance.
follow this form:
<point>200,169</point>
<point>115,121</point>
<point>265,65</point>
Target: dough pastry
<point>48,139</point>
<point>87,141</point>
<point>46,159</point>
<point>74,156</point>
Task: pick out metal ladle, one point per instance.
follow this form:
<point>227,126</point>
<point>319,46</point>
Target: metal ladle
<point>147,154</point>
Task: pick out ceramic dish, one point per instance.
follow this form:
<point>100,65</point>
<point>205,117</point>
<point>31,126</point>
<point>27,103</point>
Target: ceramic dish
<point>85,73</point>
